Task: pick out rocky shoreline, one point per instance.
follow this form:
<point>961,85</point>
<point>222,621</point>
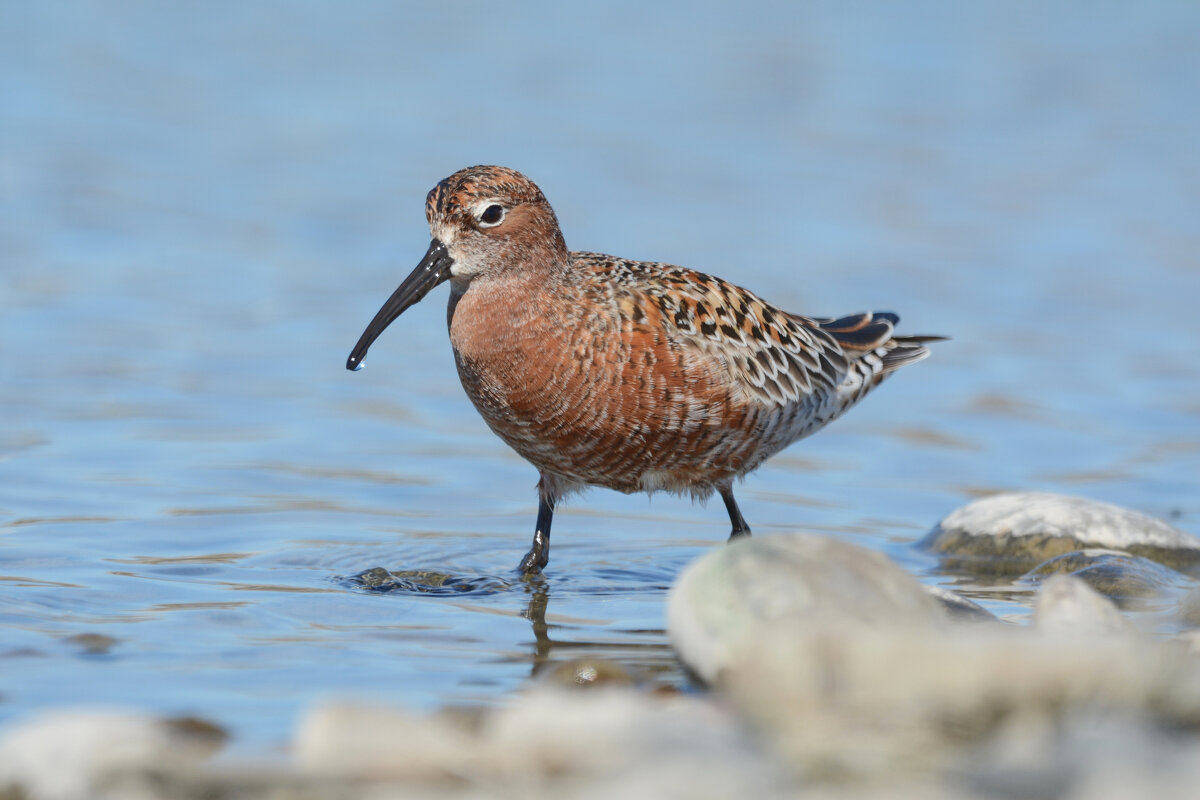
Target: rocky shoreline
<point>831,671</point>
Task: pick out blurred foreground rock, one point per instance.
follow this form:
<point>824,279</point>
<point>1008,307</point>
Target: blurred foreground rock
<point>549,742</point>
<point>848,691</point>
<point>63,755</point>
<point>741,600</point>
<point>1068,606</point>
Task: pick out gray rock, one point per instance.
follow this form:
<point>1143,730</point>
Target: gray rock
<point>742,598</point>
<point>1010,533</point>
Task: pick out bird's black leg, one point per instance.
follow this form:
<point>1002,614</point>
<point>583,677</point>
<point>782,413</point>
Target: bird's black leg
<point>740,528</point>
<point>539,554</point>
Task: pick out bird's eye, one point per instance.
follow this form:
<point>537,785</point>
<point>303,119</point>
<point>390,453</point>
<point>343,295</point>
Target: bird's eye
<point>492,215</point>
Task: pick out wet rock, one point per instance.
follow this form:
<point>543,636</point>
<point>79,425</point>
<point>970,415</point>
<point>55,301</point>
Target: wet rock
<point>1124,578</point>
<point>1010,533</point>
<point>423,581</point>
<point>64,755</point>
<point>742,598</point>
<point>374,578</point>
<point>1067,605</point>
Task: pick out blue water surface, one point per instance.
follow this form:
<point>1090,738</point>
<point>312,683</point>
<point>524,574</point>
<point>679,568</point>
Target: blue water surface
<point>202,205</point>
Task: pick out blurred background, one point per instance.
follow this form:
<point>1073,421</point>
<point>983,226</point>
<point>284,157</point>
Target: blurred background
<point>202,205</point>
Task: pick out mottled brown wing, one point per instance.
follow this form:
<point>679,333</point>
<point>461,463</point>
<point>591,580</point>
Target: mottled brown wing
<point>773,357</point>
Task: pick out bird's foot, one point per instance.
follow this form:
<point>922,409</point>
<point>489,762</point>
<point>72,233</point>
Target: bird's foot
<point>537,557</point>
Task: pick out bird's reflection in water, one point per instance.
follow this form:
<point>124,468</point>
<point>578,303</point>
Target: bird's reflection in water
<point>535,612</point>
<point>641,656</point>
<point>604,652</point>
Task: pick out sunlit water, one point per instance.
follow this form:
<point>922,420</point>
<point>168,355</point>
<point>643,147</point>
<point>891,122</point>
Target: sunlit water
<point>201,207</point>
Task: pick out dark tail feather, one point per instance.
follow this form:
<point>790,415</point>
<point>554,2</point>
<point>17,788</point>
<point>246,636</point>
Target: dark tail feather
<point>872,332</point>
<point>864,331</point>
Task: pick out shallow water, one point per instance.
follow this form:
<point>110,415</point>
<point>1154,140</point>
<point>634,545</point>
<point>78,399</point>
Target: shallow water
<point>200,209</point>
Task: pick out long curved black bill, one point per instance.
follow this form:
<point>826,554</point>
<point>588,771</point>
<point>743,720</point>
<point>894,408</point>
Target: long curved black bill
<point>433,269</point>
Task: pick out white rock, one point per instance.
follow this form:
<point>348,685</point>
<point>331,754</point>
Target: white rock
<point>611,741</point>
<point>743,597</point>
<point>63,755</point>
<point>893,703</point>
<point>369,741</point>
<point>619,742</point>
<point>1090,522</point>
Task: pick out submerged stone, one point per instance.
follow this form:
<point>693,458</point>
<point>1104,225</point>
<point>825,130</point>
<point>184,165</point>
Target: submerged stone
<point>1121,577</point>
<point>373,578</point>
<point>587,673</point>
<point>424,581</point>
<point>93,644</point>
